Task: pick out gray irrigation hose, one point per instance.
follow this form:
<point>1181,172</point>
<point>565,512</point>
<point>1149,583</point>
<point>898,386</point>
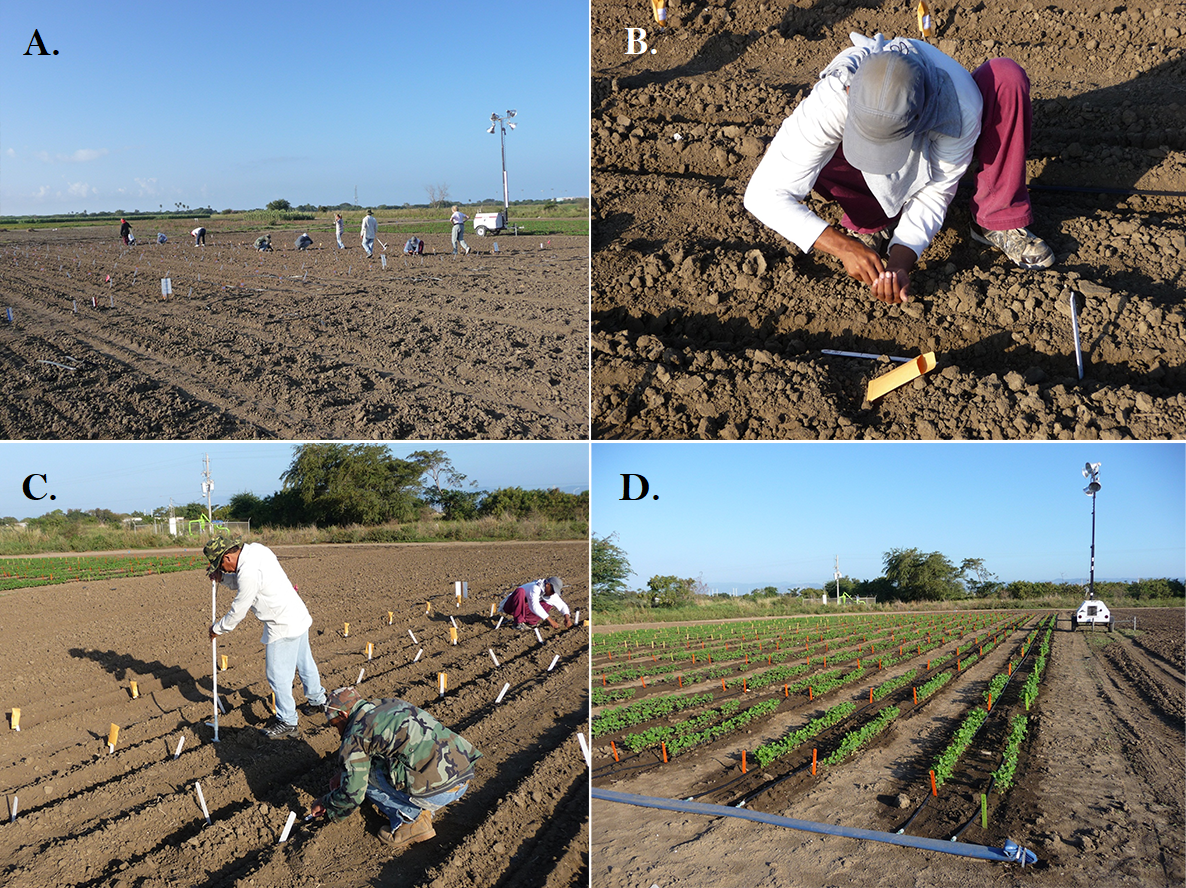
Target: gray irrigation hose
<point>1012,852</point>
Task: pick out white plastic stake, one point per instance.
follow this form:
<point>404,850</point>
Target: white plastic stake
<point>288,826</point>
<point>15,800</point>
<point>506,687</point>
<point>384,258</point>
<point>499,623</point>
<point>418,654</point>
<point>540,637</point>
<point>585,750</point>
<point>441,683</point>
<point>370,649</point>
<point>465,588</point>
<point>177,752</point>
<point>360,672</point>
<point>492,657</point>
<point>202,800</point>
<point>413,636</point>
<point>555,660</point>
<point>454,622</point>
<point>1075,330</point>
<point>492,606</point>
<point>577,621</point>
<point>457,591</point>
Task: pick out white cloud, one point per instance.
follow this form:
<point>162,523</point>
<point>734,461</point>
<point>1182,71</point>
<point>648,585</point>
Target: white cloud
<point>80,189</point>
<point>82,155</point>
<point>11,153</point>
<point>147,186</point>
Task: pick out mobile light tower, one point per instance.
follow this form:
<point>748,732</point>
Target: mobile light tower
<point>1092,612</point>
<point>483,222</point>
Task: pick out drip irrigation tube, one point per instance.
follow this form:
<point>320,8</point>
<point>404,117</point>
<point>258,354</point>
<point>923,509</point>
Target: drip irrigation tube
<point>1012,852</point>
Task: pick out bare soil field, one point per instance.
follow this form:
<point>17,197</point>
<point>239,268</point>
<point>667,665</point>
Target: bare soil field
<point>1098,793</point>
<point>707,324</point>
<point>132,819</point>
<point>319,344</point>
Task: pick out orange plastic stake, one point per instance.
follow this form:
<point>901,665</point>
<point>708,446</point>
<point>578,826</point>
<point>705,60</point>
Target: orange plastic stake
<point>615,749</point>
<point>915,696</point>
<point>879,663</point>
<point>810,695</point>
<point>603,679</point>
<point>813,762</point>
<point>934,789</point>
<point>870,695</point>
<point>1010,667</point>
<point>722,684</point>
<point>899,376</point>
<point>744,689</point>
<point>786,692</point>
<point>743,761</point>
<point>990,702</point>
<point>664,745</point>
<point>681,681</point>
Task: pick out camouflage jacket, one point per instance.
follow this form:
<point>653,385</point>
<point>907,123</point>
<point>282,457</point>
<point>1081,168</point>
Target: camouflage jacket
<point>416,752</point>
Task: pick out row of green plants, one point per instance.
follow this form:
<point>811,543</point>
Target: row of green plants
<point>893,684</point>
<point>645,710</point>
<point>768,752</point>
<point>641,740</point>
<point>1007,770</point>
<point>19,573</point>
<point>682,744</point>
<point>944,765</point>
<point>603,697</point>
<point>854,740</point>
<point>1029,691</point>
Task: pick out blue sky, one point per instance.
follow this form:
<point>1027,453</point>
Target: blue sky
<point>754,513</point>
<point>139,476</point>
<point>233,105</point>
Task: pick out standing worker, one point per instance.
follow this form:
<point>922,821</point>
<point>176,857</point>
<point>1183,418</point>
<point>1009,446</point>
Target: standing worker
<point>529,604</point>
<point>125,228</point>
<point>262,586</point>
<point>338,223</point>
<point>199,234</point>
<point>458,219</point>
<point>370,227</point>
<point>400,758</point>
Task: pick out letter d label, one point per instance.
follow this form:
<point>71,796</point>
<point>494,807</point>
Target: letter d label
<point>626,487</point>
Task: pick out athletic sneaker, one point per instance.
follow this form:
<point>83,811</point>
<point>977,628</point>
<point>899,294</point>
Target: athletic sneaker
<point>877,241</point>
<point>277,730</point>
<point>310,709</point>
<point>1021,245</point>
<point>419,830</point>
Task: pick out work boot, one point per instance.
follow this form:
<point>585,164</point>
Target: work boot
<point>311,709</point>
<point>278,730</point>
<point>419,830</point>
<point>1022,246</point>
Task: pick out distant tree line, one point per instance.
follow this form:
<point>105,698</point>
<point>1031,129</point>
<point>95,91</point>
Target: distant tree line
<point>910,576</point>
<point>343,484</point>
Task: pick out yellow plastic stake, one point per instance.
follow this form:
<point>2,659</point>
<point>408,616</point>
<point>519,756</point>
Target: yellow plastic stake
<point>925,23</point>
<point>345,630</point>
<point>223,662</point>
<point>135,690</point>
<point>390,616</point>
<point>453,634</point>
<point>112,737</point>
<point>16,719</point>
<point>899,376</point>
<point>659,7</point>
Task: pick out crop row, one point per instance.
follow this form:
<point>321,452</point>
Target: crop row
<point>715,732</point>
<point>20,573</point>
<point>1008,768</point>
<point>854,740</point>
<point>645,710</point>
<point>944,765</point>
<point>768,752</point>
<point>654,736</point>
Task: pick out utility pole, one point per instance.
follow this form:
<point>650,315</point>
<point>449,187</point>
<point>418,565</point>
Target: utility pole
<point>207,489</point>
<point>836,576</point>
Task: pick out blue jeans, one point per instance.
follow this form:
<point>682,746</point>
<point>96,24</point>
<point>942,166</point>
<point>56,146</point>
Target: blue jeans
<point>368,244</point>
<point>459,236</point>
<point>341,246</point>
<point>397,804</point>
<point>285,658</point>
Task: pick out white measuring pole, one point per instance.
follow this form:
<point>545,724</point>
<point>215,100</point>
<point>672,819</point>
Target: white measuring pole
<point>214,671</point>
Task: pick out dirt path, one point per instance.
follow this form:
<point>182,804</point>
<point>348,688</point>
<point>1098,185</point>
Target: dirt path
<point>707,324</point>
<point>131,819</point>
<point>316,344</point>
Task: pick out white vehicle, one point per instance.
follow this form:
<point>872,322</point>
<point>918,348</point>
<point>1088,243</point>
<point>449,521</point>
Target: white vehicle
<point>489,223</point>
<point>1092,612</point>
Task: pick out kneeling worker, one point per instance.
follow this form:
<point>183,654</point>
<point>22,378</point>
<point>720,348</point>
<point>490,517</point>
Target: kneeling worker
<point>400,758</point>
<point>529,605</point>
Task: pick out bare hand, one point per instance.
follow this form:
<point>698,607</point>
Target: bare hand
<point>213,634</point>
<point>317,810</point>
<point>892,286</point>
